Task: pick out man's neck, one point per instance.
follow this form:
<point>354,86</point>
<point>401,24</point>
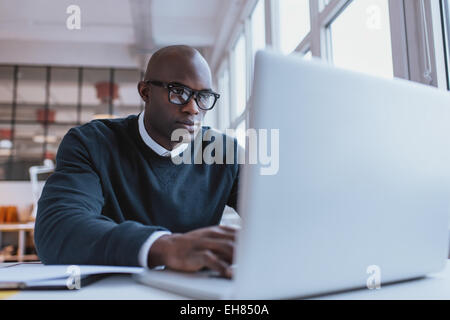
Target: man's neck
<point>161,140</point>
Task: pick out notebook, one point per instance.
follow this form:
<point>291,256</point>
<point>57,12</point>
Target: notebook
<point>36,276</point>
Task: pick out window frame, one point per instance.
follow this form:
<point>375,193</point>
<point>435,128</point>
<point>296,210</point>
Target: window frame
<point>13,122</point>
<point>445,14</point>
<point>410,49</point>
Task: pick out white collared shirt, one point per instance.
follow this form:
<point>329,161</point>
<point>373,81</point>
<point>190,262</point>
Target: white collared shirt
<point>155,146</point>
<point>145,248</point>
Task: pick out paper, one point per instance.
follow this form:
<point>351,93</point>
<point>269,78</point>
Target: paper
<point>36,275</point>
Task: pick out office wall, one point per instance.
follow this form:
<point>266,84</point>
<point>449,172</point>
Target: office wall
<point>68,54</point>
<point>16,193</point>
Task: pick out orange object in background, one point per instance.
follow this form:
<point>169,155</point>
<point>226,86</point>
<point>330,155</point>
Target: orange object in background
<point>2,214</point>
<point>5,134</point>
<point>9,214</point>
<point>107,89</point>
<point>45,116</point>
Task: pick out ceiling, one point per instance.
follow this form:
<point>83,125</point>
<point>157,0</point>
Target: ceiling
<point>142,23</point>
<point>114,33</point>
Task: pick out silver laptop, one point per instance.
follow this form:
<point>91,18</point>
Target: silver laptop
<point>363,181</point>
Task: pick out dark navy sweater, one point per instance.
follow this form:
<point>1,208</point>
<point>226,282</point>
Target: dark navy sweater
<point>110,192</point>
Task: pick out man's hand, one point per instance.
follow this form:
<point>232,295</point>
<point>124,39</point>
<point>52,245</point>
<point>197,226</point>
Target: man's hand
<point>210,247</point>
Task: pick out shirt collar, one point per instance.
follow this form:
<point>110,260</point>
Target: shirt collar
<point>152,144</point>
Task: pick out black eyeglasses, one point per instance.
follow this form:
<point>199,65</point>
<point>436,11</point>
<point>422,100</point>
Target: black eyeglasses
<point>181,95</point>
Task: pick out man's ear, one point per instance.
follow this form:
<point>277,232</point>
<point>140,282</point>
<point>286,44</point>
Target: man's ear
<point>144,91</point>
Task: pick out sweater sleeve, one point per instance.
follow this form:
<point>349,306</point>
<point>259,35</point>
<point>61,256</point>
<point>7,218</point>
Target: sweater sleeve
<point>70,227</point>
<point>233,197</point>
<point>235,190</point>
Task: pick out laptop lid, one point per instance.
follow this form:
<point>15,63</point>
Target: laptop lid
<point>363,181</point>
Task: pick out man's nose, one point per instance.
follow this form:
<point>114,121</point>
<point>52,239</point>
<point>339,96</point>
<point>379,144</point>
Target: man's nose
<point>191,107</point>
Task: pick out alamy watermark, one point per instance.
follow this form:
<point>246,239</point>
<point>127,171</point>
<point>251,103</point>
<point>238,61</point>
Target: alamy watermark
<point>74,280</point>
<point>373,21</point>
<point>374,279</point>
<point>257,146</point>
<point>73,21</point>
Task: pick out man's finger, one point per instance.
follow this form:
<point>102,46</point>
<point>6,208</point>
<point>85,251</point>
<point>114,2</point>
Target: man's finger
<point>229,228</point>
<point>213,262</point>
<point>221,233</point>
<point>224,248</point>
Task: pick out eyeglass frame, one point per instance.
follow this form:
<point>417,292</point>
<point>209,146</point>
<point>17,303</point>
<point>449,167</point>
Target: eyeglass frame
<point>193,93</point>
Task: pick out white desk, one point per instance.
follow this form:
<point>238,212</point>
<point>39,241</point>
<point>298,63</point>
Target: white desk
<point>21,229</point>
<point>434,286</point>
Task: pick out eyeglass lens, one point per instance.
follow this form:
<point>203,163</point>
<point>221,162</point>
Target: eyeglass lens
<point>180,95</point>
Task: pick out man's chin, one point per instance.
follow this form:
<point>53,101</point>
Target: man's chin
<point>185,135</point>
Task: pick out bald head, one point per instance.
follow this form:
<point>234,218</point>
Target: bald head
<point>178,63</point>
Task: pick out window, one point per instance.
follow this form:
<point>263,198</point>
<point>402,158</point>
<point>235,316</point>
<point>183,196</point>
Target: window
<point>6,92</point>
<point>29,145</point>
<point>224,101</point>
<point>50,101</point>
<point>258,27</point>
<point>379,37</point>
<point>239,77</point>
<point>30,92</point>
<point>323,4</point>
<point>446,17</point>
<point>361,38</point>
<point>240,134</point>
<point>95,93</point>
<point>128,100</point>
<point>308,55</point>
<point>294,23</point>
<point>31,85</point>
<point>64,94</point>
<point>258,34</point>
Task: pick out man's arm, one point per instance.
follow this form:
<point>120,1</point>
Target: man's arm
<point>234,194</point>
<point>146,246</point>
<point>70,228</point>
<point>210,247</point>
<point>239,158</point>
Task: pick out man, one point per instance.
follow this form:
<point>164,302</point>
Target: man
<point>116,196</point>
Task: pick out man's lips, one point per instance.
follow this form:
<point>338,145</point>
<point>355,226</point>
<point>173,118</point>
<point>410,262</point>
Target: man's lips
<point>189,125</point>
<point>187,122</point>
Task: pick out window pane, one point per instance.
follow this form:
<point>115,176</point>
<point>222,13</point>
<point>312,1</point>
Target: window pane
<point>258,27</point>
<point>31,85</point>
<point>308,55</point>
<point>64,86</point>
<point>28,143</point>
<point>361,38</point>
<point>294,23</point>
<point>240,133</point>
<point>64,94</point>
<point>323,4</point>
<point>18,170</point>
<point>54,137</point>
<point>210,119</point>
<point>224,101</point>
<point>6,148</point>
<point>446,11</point>
<point>91,102</point>
<point>6,92</point>
<point>26,147</point>
<point>128,101</point>
<point>239,79</point>
<point>31,91</point>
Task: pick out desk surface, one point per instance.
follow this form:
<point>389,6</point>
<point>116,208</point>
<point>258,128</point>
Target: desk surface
<point>121,287</point>
<point>17,226</point>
